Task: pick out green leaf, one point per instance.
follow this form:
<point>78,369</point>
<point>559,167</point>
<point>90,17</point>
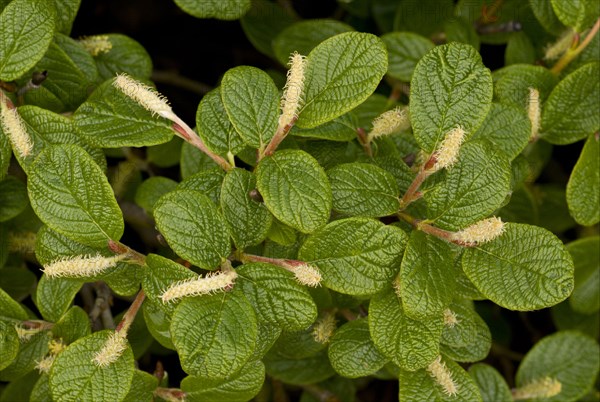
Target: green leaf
<point>239,387</point>
<point>544,12</point>
<point>586,295</point>
<point>341,129</point>
<point>208,182</point>
<point>352,352</point>
<point>341,73</point>
<point>125,56</point>
<point>222,10</point>
<point>193,227</point>
<point>470,339</point>
<point>70,194</point>
<point>54,296</point>
<point>566,117</point>
<point>356,256</point>
<point>427,276</point>
<point>512,83</point>
<point>420,386</point>
<point>251,100</point>
<point>474,187</point>
<point>411,344</point>
<point>5,153</point>
<point>194,161</point>
<point>74,324</point>
<point>267,335</point>
<point>362,189</point>
<point>422,16</point>
<point>583,189</point>
<point>303,36</point>
<point>507,127</point>
<point>9,344</point>
<point>569,357</point>
<point>297,344</point>
<point>295,189</point>
<point>458,29</point>
<point>72,74</point>
<point>275,295</point>
<point>565,318</point>
<point>13,198</point>
<point>20,389</point>
<point>578,14</point>
<point>310,370</point>
<point>490,382</point>
<point>74,375</point>
<point>142,387</point>
<point>158,324</point>
<point>41,390</point>
<point>165,155</point>
<point>450,87</point>
<point>398,168</point>
<point>46,128</point>
<point>31,350</point>
<point>526,268</point>
<point>19,283</point>
<point>110,119</point>
<point>519,50</point>
<point>248,220</point>
<point>11,308</point>
<point>214,127</point>
<point>26,30</point>
<point>231,323</point>
<point>405,49</point>
<point>263,22</point>
<point>150,191</point>
<point>68,10</point>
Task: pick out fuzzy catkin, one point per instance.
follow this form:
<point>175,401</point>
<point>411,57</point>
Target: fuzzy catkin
<point>442,376</point>
<point>81,266</point>
<point>199,286</point>
<point>481,232</point>
<point>306,274</point>
<point>389,122</point>
<point>534,111</point>
<point>96,44</point>
<point>540,388</point>
<point>111,351</point>
<point>145,96</point>
<point>292,92</point>
<point>447,153</point>
<point>13,126</point>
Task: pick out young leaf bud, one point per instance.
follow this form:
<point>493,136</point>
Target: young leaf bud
<point>96,44</point>
<point>200,286</point>
<point>144,95</point>
<point>481,232</point>
<point>447,153</point>
<point>112,349</point>
<point>13,126</point>
<point>389,122</point>
<point>534,111</point>
<point>442,376</point>
<point>44,365</point>
<point>541,388</point>
<point>292,92</point>
<point>82,266</point>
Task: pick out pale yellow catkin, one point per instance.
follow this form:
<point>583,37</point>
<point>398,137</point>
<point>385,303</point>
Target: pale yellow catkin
<point>558,48</point>
<point>292,92</point>
<point>306,274</point>
<point>200,286</point>
<point>540,388</point>
<point>389,122</point>
<point>442,376</point>
<point>14,128</point>
<point>483,231</point>
<point>111,351</point>
<point>324,328</point>
<point>447,153</point>
<point>81,266</point>
<point>145,96</point>
<point>97,44</point>
<point>534,111</point>
<point>450,319</point>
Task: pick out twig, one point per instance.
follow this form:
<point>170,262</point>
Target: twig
<point>572,53</point>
